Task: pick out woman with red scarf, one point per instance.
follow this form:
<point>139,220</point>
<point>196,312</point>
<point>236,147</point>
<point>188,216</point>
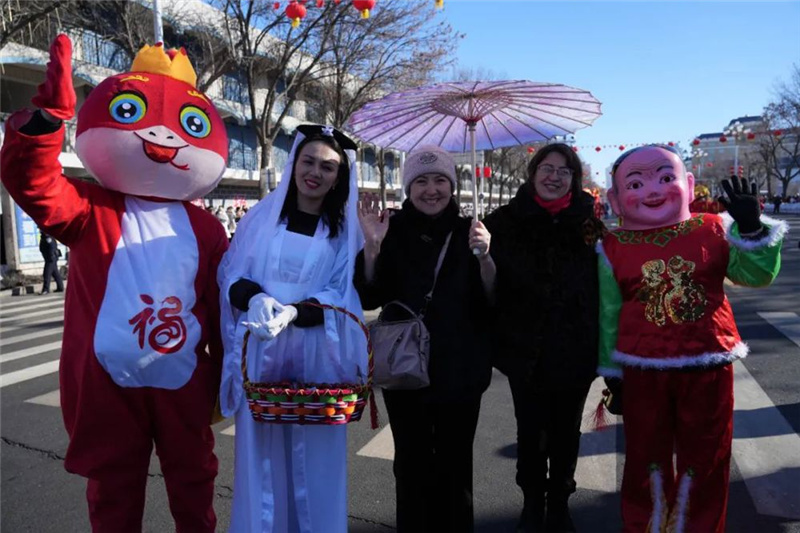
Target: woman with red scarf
<point>543,243</point>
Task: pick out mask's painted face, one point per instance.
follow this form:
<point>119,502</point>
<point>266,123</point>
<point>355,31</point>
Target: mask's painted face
<point>651,189</point>
<point>152,135</point>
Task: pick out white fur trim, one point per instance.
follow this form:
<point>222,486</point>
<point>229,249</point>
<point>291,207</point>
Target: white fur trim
<point>739,351</point>
<point>657,493</point>
<point>682,502</point>
<point>607,372</point>
<point>602,253</point>
<point>777,229</point>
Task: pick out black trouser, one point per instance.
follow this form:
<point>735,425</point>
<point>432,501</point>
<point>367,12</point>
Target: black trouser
<point>51,270</point>
<point>433,460</point>
<point>548,428</point>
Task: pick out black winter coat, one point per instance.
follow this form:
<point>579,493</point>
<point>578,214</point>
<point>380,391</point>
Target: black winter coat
<point>546,328</point>
<point>48,247</point>
<point>457,316</point>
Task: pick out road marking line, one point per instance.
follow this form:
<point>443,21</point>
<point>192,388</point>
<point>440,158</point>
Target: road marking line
<point>5,341</point>
<point>51,399</point>
<point>36,300</point>
<point>785,322</point>
<point>381,446</point>
<point>29,352</point>
<point>597,468</point>
<point>26,374</point>
<point>27,325</point>
<point>766,449</point>
<point>59,309</point>
<point>9,313</point>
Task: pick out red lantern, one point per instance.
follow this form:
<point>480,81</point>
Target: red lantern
<point>364,6</point>
<point>696,142</point>
<point>777,133</point>
<point>621,147</point>
<point>694,167</point>
<point>709,165</point>
<point>276,6</point>
<point>597,149</point>
<point>320,3</point>
<point>741,171</point>
<point>531,149</point>
<point>574,148</point>
<point>670,143</point>
<point>336,2</point>
<point>487,172</point>
<point>723,139</point>
<point>751,136</point>
<point>296,12</point>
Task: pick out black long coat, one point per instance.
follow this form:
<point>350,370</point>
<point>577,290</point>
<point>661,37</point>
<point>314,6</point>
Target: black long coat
<point>457,316</point>
<point>546,326</point>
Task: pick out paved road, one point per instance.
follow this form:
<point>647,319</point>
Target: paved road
<point>38,496</point>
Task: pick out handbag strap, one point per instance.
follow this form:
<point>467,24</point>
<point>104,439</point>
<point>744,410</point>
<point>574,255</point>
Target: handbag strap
<point>429,296</point>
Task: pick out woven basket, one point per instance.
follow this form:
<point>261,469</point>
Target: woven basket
<point>311,403</point>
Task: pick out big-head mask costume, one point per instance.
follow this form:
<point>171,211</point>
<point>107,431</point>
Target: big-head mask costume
<point>141,351</point>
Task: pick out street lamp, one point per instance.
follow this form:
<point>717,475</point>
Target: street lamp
<point>737,131</point>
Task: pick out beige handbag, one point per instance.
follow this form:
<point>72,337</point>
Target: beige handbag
<point>402,347</point>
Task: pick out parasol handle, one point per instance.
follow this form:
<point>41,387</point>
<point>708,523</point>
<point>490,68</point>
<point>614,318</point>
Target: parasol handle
<point>475,178</point>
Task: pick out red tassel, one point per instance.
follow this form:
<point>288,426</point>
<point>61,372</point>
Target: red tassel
<point>600,418</point>
<point>373,410</point>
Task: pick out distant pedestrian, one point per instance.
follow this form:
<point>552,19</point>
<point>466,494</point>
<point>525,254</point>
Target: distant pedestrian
<point>777,203</point>
<point>48,246</point>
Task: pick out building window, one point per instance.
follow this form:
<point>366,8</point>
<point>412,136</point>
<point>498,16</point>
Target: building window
<point>103,53</point>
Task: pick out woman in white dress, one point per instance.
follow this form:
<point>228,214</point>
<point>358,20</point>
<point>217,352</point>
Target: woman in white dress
<point>297,245</point>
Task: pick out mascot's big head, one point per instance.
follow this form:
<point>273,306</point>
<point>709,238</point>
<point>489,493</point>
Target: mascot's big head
<point>651,188</point>
<point>149,132</point>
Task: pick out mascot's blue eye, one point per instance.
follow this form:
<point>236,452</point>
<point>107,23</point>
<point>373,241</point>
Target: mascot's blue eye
<point>127,108</point>
<point>195,122</point>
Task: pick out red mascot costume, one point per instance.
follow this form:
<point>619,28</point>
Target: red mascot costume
<point>668,337</point>
<point>141,352</point>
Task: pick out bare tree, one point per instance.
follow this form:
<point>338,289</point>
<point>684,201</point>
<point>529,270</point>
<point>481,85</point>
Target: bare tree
<point>19,16</point>
<point>780,142</point>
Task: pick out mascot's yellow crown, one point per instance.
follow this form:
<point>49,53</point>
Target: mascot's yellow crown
<point>172,63</point>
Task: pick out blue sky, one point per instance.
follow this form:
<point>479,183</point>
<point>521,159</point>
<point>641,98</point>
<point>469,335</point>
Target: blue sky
<point>664,70</point>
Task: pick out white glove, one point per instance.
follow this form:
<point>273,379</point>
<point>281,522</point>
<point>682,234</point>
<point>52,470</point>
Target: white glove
<point>285,316</point>
<point>261,309</point>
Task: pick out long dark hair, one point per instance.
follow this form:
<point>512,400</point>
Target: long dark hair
<point>335,199</point>
<point>573,162</point>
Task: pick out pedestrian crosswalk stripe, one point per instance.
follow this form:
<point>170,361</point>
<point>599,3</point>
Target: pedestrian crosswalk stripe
<point>27,325</point>
<point>9,313</point>
<point>23,316</point>
<point>381,446</point>
<point>785,322</point>
<point>5,341</point>
<point>12,303</point>
<point>26,374</point>
<point>50,399</point>
<point>766,449</point>
<point>6,357</point>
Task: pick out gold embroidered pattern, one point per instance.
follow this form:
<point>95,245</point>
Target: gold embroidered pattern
<point>662,237</point>
<point>686,302</point>
<point>652,291</point>
<point>136,77</point>
<point>681,298</point>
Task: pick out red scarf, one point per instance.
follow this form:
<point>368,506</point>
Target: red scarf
<point>554,206</point>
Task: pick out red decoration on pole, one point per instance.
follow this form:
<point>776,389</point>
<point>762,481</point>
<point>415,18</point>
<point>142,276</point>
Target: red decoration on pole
<point>709,165</point>
<point>487,172</point>
<point>574,148</point>
<point>364,6</point>
<point>621,147</point>
<point>276,6</point>
<point>531,149</point>
<point>597,149</point>
<point>670,143</point>
<point>296,12</point>
<point>320,3</point>
<point>777,133</point>
<point>696,142</point>
<point>723,139</point>
<point>694,167</point>
<point>751,136</point>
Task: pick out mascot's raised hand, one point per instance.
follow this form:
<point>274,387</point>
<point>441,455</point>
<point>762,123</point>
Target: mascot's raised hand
<point>56,96</point>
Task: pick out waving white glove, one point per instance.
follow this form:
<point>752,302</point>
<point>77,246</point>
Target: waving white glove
<point>285,316</point>
<point>261,309</point>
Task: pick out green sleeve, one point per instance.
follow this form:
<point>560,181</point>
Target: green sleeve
<point>610,305</point>
<point>755,263</point>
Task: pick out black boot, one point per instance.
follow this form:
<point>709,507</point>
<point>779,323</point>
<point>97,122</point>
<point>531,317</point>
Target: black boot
<point>557,518</point>
<point>532,518</point>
